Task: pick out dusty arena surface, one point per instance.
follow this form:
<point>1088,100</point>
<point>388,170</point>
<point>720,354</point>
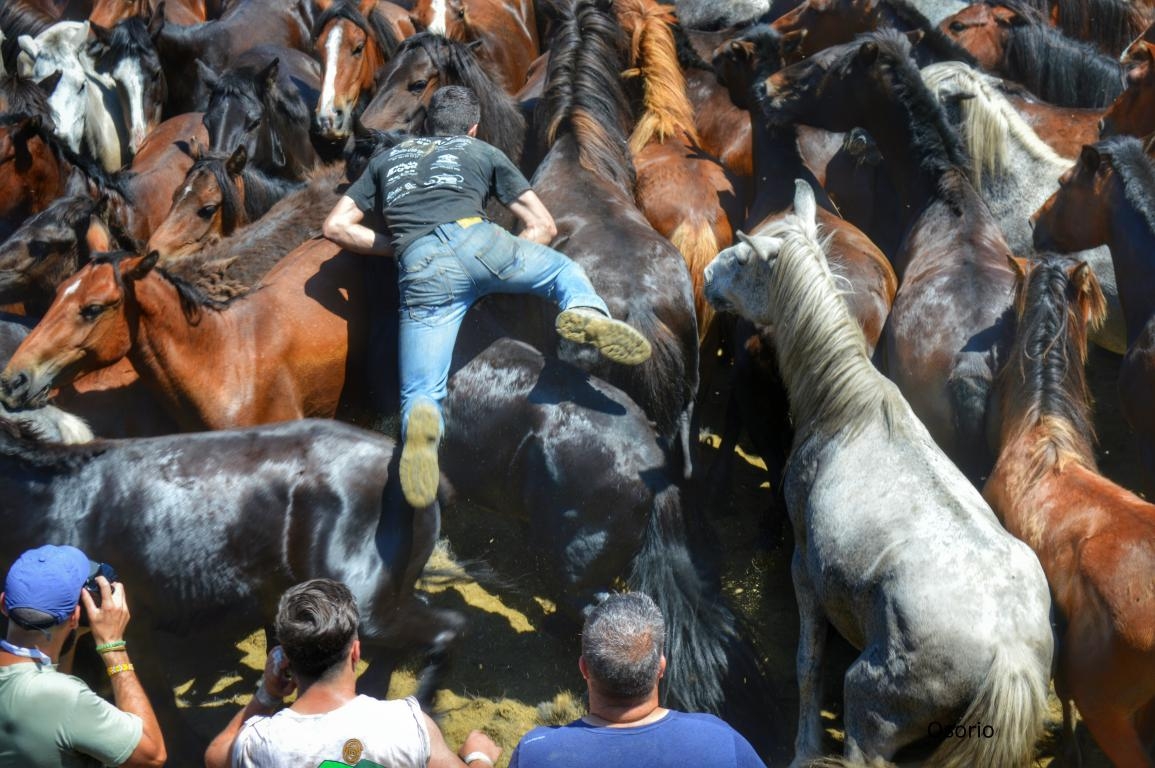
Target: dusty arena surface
<point>515,671</point>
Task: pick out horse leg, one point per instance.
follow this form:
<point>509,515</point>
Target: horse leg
<point>1114,731</point>
<point>811,648</point>
<point>1068,742</point>
<point>873,714</point>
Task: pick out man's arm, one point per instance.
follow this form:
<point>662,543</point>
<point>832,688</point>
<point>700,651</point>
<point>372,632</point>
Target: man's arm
<point>277,683</point>
<point>539,224</point>
<point>108,623</point>
<point>343,226</point>
<point>441,756</point>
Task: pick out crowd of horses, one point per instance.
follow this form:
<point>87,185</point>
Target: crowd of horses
<point>846,214</point>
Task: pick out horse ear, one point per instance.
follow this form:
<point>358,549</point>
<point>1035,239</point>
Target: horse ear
<point>764,246</point>
<point>868,53</point>
<point>142,267</point>
<point>195,150</point>
<point>1092,302</point>
<point>367,7</point>
<point>156,21</point>
<point>76,185</point>
<point>804,205</point>
<point>1019,266</point>
<point>100,34</point>
<point>207,74</point>
<point>237,160</point>
<point>915,36</point>
<point>1089,158</point>
<point>29,46</point>
<point>98,237</point>
<point>792,41</point>
<point>268,76</point>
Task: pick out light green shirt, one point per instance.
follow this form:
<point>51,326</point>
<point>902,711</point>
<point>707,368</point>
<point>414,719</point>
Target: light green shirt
<point>52,720</point>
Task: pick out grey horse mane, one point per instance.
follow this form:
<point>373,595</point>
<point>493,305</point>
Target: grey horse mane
<point>988,120</point>
<point>822,352</point>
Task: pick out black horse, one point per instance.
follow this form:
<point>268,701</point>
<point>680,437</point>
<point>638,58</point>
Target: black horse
<point>207,530</point>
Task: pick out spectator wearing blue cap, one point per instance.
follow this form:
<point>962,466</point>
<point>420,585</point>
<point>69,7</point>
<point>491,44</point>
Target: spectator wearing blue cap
<point>53,720</point>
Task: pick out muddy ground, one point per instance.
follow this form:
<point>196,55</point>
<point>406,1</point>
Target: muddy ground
<point>512,673</point>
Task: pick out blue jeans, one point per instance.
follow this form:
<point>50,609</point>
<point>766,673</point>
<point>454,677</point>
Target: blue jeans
<point>443,273</point>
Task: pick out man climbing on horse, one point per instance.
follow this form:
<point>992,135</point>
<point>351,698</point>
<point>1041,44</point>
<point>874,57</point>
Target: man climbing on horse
<point>431,193</point>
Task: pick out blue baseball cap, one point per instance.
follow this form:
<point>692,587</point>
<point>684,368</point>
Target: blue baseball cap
<point>47,579</point>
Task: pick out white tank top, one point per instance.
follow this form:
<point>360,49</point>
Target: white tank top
<point>366,731</point>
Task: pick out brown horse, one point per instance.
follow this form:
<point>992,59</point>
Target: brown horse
<point>219,195</point>
<point>106,13</point>
<point>157,171</point>
<point>684,193</point>
<point>353,41</point>
<point>1132,112</point>
<point>284,351</point>
<point>1106,198</point>
<point>1014,41</point>
<point>504,31</point>
<point>1095,540</point>
<point>950,321</point>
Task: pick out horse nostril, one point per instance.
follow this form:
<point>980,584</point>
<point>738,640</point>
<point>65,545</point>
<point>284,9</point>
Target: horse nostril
<point>14,385</point>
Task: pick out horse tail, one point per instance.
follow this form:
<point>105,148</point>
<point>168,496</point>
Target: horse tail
<point>698,244</point>
<point>1010,706</point>
<point>710,667</point>
<point>969,389</point>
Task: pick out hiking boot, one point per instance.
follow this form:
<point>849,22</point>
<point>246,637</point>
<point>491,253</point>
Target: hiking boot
<point>616,340</point>
<point>419,472</point>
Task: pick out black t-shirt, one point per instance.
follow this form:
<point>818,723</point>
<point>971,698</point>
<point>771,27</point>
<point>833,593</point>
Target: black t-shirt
<point>425,182</point>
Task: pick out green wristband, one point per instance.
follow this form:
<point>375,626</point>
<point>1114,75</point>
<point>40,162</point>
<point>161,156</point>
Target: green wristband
<point>115,645</point>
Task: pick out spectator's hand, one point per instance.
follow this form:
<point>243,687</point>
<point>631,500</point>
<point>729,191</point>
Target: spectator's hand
<point>477,741</point>
<point>278,681</point>
<point>110,619</point>
<point>536,234</point>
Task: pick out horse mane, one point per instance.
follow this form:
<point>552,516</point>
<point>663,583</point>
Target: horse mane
<point>17,19</point>
<point>667,108</point>
<point>687,54</point>
<point>502,122</point>
<point>937,42</point>
<point>22,95</point>
<point>1114,23</point>
<point>376,25</point>
<point>1045,371</point>
<point>821,349</point>
<point>1065,72</point>
<point>989,121</point>
<point>933,139</point>
<point>583,94</point>
<point>1135,171</point>
<point>130,37</point>
<point>193,297</point>
<point>26,444</point>
<point>767,43</point>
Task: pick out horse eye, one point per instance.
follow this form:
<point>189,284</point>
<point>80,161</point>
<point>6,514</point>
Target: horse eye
<point>91,311</point>
<point>357,51</point>
<point>208,210</point>
<point>957,26</point>
<point>418,86</point>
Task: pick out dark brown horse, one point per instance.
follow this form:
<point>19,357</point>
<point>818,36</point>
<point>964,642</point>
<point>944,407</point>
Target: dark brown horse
<point>1132,112</point>
<point>1094,539</point>
<point>353,40</point>
<point>1106,198</point>
<point>504,31</point>
<point>587,180</point>
<point>106,13</point>
<point>1014,41</point>
<point>950,322</point>
<point>289,349</point>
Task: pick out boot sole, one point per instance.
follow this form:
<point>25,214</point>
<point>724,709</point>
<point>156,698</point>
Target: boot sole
<point>615,340</point>
<point>418,469</point>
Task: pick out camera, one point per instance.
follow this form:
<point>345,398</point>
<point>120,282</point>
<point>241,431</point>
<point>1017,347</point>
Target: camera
<point>94,570</point>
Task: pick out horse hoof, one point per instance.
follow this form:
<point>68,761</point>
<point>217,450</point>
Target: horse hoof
<point>617,341</point>
<point>419,472</point>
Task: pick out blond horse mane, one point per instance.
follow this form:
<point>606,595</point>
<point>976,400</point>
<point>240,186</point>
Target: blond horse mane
<point>989,121</point>
<point>821,349</point>
<point>654,57</point>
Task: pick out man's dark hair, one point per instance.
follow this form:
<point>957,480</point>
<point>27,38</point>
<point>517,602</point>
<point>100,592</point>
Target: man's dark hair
<point>316,624</point>
<point>622,645</point>
<point>452,111</point>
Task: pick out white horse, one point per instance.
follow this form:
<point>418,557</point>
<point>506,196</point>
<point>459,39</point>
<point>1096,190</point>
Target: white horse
<point>1015,172</point>
<point>85,104</point>
<point>893,545</point>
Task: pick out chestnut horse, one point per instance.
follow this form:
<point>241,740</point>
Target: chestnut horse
<point>353,40</point>
<point>684,193</point>
<point>504,31</point>
<point>158,170</point>
<point>291,348</point>
<point>107,13</point>
<point>1106,198</point>
<point>1014,41</point>
<point>951,319</point>
<point>1095,540</point>
<point>587,180</point>
<point>1131,113</point>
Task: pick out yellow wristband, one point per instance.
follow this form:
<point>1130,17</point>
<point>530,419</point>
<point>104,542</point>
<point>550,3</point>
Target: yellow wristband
<point>116,670</point>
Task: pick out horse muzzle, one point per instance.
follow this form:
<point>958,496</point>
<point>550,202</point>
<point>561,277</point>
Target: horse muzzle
<point>335,124</point>
<point>19,390</point>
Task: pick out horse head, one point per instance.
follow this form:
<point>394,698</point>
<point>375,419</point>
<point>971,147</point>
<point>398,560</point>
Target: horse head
<point>239,111</point>
<point>348,41</point>
<point>407,84</point>
<point>756,53</point>
<point>1130,112</point>
<point>128,55</point>
<point>207,206</point>
<point>983,29</point>
<point>1077,216</point>
<point>88,326</point>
